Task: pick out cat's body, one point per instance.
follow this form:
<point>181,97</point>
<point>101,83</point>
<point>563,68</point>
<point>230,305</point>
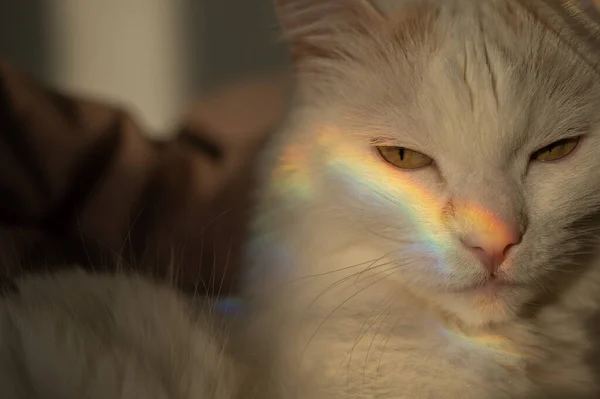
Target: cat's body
<point>410,242</point>
<point>75,335</point>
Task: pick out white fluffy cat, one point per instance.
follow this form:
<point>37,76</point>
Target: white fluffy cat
<point>428,228</point>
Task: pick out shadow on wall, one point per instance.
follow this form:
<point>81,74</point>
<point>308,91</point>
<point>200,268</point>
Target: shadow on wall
<point>23,31</point>
<point>241,37</point>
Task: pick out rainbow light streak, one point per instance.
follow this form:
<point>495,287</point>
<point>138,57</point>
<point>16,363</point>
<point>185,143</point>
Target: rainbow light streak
<point>497,344</point>
<point>369,175</point>
<point>292,174</point>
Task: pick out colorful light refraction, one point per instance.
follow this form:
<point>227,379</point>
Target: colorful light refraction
<point>299,176</point>
<point>300,166</point>
<point>497,344</point>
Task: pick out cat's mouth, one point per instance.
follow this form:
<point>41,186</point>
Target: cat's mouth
<point>492,286</point>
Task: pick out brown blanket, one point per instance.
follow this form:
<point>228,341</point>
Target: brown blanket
<point>80,183</point>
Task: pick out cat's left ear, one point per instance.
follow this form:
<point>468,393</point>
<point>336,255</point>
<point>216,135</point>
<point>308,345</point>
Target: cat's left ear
<point>310,26</point>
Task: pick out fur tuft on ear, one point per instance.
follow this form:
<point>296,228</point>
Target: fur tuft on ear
<point>310,26</point>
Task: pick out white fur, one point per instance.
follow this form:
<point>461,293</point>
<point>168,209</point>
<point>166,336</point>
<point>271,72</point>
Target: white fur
<point>355,303</point>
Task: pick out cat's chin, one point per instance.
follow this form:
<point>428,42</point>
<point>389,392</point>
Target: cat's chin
<point>481,308</point>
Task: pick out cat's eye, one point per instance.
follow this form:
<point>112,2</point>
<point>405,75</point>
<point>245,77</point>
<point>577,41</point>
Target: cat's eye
<point>404,158</point>
<point>556,151</point>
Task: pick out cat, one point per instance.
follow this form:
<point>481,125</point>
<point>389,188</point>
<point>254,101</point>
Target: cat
<point>427,227</point>
<point>429,220</point>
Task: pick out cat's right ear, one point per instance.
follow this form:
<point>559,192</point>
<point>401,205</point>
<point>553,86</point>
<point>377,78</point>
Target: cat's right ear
<point>310,26</point>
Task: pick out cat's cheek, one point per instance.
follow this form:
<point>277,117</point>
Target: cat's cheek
<point>565,189</point>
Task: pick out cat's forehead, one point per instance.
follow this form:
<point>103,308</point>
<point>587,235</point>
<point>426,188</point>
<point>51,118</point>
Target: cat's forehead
<point>489,70</point>
<point>575,22</point>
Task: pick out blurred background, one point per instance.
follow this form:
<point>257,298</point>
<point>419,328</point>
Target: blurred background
<point>152,56</point>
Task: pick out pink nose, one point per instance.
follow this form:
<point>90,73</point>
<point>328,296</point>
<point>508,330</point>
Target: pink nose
<point>491,252</point>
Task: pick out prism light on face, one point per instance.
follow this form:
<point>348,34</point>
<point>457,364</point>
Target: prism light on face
<point>371,177</point>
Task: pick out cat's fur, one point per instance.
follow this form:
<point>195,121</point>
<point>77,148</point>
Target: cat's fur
<point>350,293</point>
<point>360,299</point>
<point>75,335</point>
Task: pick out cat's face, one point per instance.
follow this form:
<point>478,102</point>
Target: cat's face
<point>462,140</point>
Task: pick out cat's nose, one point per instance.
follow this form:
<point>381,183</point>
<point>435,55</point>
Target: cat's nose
<point>491,250</point>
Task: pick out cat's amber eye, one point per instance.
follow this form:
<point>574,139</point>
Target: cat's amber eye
<point>404,158</point>
<point>556,151</point>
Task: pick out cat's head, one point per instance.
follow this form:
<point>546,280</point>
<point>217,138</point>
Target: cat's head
<point>462,138</point>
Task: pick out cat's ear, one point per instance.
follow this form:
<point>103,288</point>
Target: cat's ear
<point>309,26</point>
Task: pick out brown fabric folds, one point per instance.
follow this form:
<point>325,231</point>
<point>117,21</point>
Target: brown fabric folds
<point>80,183</point>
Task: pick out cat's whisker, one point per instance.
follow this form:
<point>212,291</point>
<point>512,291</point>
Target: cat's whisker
<point>343,280</point>
<point>385,344</point>
<point>338,270</point>
<point>338,307</point>
<point>385,315</point>
<point>363,331</point>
